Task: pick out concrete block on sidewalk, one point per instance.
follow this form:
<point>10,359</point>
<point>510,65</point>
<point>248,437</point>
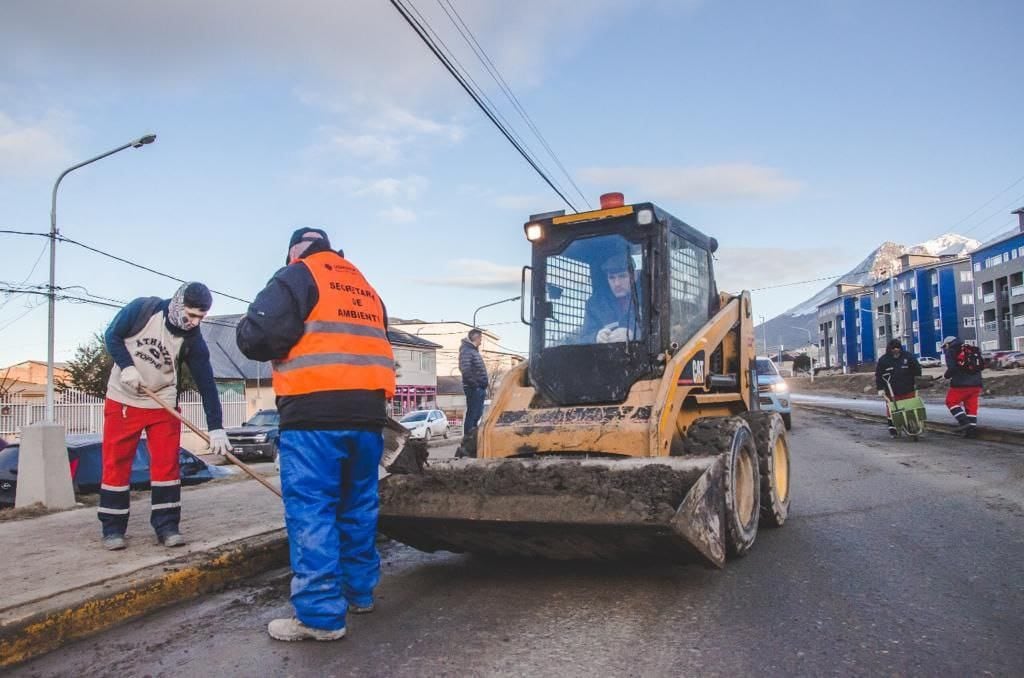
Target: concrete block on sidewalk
<point>44,475</point>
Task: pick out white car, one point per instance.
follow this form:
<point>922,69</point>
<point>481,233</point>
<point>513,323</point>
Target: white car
<point>425,424</point>
<point>930,362</point>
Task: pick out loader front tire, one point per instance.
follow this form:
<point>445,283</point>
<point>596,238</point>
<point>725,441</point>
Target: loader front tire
<point>742,490</point>
<point>773,461</point>
<point>732,438</point>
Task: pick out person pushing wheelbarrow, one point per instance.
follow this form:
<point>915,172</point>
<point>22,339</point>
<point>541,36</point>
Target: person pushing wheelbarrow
<point>895,379</point>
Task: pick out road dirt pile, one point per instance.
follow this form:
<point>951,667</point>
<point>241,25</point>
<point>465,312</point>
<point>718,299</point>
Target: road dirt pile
<point>652,491</point>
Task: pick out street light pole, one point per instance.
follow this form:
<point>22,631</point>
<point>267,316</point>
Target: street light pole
<point>494,303</point>
<point>138,143</point>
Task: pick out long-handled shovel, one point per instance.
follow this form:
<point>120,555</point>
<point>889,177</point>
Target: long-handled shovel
<point>202,434</point>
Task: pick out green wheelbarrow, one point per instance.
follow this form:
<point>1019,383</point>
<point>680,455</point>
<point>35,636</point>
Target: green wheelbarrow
<point>908,415</point>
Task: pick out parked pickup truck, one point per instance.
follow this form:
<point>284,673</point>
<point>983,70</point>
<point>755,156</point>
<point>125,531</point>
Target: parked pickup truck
<point>258,437</point>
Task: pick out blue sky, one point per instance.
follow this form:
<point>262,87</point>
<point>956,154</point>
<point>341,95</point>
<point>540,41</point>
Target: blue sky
<point>800,134</point>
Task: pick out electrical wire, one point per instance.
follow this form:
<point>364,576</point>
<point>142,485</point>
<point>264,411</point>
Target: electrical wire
<point>421,32</point>
<point>72,241</point>
<point>470,38</point>
<point>479,90</point>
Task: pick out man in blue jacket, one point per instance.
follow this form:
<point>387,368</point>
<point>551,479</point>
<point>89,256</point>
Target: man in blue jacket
<point>148,340</point>
<point>474,378</point>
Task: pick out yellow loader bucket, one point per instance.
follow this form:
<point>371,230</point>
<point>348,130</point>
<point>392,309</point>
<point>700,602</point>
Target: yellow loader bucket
<point>562,508</point>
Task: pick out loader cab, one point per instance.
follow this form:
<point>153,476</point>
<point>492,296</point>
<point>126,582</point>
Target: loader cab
<point>614,291</point>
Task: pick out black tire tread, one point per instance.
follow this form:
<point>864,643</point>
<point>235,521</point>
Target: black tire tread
<point>773,512</point>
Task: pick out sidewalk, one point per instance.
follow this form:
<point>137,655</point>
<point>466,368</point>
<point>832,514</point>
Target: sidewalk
<point>60,584</point>
<point>1009,422</point>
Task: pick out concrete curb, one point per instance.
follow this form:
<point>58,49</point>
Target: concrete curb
<point>39,627</point>
<point>993,435</point>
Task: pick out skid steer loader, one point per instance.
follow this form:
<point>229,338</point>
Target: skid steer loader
<point>633,429</point>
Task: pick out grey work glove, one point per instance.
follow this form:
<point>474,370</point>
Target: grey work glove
<point>219,443</point>
<point>881,392</point>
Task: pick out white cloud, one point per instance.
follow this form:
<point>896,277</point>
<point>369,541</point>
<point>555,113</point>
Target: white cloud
<point>745,268</point>
<point>30,148</point>
<point>408,188</point>
<point>399,120</point>
<point>397,215</point>
<point>478,274</point>
<point>379,149</point>
<point>366,44</point>
<point>711,183</point>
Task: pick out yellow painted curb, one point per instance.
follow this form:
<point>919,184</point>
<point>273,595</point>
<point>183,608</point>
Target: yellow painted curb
<point>165,584</point>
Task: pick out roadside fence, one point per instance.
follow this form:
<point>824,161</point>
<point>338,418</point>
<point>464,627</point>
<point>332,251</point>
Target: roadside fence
<point>83,413</point>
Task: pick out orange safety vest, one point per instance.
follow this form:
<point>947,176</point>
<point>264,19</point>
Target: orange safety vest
<point>345,344</point>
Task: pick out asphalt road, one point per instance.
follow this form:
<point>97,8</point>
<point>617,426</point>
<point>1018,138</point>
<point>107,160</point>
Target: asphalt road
<point>898,559</point>
<point>1001,418</point>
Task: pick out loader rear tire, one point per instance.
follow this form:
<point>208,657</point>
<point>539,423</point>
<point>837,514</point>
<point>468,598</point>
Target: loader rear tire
<point>773,457</point>
<point>732,437</point>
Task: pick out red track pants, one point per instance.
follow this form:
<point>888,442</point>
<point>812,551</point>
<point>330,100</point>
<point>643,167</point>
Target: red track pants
<point>122,427</point>
<point>962,402</point>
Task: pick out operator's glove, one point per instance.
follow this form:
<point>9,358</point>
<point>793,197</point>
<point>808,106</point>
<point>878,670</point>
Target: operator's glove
<point>131,379</point>
<point>610,336</point>
<point>219,443</point>
<point>881,392</point>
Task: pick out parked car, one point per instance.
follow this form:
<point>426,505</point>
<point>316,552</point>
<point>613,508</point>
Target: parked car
<point>991,359</point>
<point>259,437</point>
<point>1010,360</point>
<point>773,391</point>
<point>930,362</point>
<point>85,457</point>
<point>426,424</point>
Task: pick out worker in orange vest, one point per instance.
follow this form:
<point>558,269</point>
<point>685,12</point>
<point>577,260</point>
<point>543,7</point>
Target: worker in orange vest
<point>325,329</point>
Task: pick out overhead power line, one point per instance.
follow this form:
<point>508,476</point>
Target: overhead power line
<point>987,202</point>
<point>423,35</point>
<point>481,54</point>
<point>66,239</point>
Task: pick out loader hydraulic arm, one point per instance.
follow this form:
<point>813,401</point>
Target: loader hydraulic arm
<point>687,374</point>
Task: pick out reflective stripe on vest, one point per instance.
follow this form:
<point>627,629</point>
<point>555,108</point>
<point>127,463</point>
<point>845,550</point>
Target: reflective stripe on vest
<point>344,345</point>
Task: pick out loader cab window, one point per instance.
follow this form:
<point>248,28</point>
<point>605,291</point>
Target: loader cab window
<point>594,292</point>
<point>689,288</point>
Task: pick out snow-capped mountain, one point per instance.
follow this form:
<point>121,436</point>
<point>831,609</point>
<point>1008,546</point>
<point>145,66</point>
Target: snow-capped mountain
<point>874,267</point>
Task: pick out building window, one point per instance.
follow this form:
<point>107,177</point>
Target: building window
<point>967,299</point>
<point>977,266</point>
<point>966,276</point>
<point>969,321</point>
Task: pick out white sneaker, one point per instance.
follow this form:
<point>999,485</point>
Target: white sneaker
<point>292,629</point>
<point>114,542</point>
<point>173,539</point>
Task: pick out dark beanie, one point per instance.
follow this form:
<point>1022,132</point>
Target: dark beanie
<point>299,234</point>
<point>197,295</point>
<point>894,343</point>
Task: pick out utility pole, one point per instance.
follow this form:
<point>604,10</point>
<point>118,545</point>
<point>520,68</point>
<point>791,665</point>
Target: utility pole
<point>764,335</point>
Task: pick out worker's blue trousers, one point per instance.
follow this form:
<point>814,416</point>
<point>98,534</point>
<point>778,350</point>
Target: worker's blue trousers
<point>329,483</point>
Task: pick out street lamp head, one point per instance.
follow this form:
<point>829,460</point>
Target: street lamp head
<point>142,141</point>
